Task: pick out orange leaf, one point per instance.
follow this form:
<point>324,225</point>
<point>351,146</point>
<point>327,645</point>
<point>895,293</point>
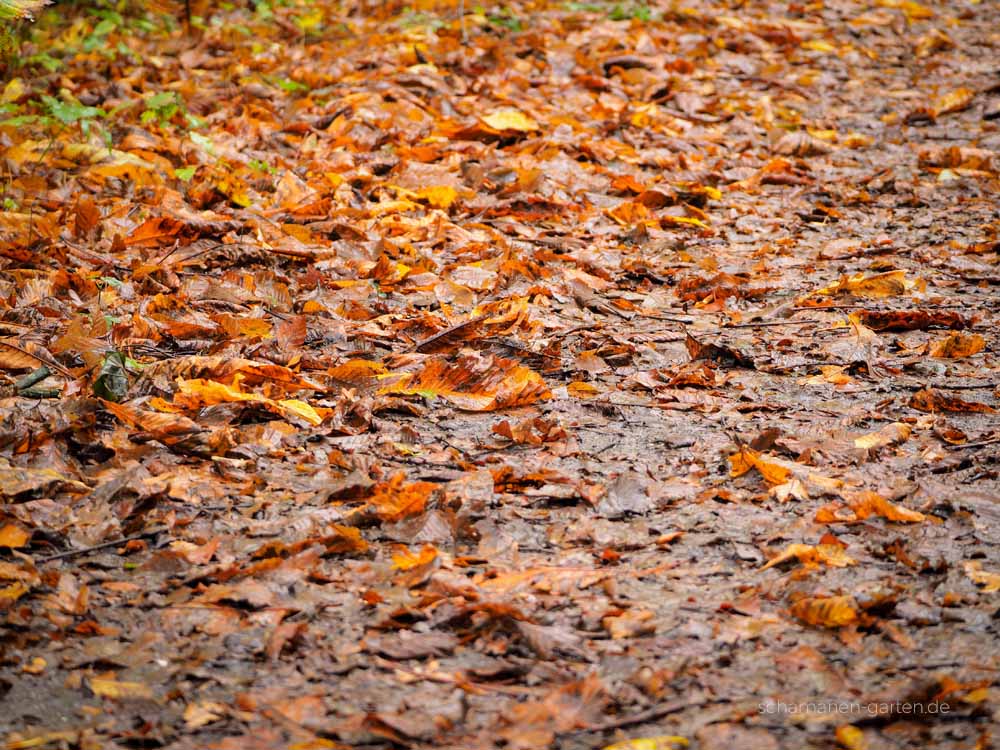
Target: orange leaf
<point>827,612</point>
<point>932,400</point>
<point>404,559</point>
<point>397,499</point>
<point>957,345</point>
<point>154,232</point>
<point>474,382</point>
<point>13,536</point>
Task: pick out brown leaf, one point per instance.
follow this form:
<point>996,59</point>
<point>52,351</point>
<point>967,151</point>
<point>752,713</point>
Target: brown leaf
<point>933,400</point>
<point>723,356</point>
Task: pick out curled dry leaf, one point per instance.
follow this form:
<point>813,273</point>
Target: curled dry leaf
<point>534,431</point>
<point>832,555</point>
<point>475,382</point>
<point>881,285</point>
<point>891,434</point>
<point>195,394</point>
<point>865,505</point>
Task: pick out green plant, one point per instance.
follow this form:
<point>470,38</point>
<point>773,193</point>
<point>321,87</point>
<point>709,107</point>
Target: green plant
<point>71,112</point>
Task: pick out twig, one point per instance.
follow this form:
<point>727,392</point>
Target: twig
<point>776,323</point>
<point>35,376</point>
<point>657,712</point>
<point>102,545</point>
<point>980,444</point>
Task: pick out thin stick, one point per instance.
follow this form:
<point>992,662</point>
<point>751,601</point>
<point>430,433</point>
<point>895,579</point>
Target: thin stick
<point>657,712</point>
<point>102,545</point>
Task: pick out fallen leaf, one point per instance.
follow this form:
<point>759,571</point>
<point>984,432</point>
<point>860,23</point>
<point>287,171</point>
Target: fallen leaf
<point>957,346</point>
<point>889,284</point>
<point>120,690</point>
<point>891,434</point>
<point>989,580</point>
<point>933,400</point>
<point>827,612</point>
<point>659,742</point>
<point>510,119</point>
<point>473,382</point>
<point>832,555</point>
<point>13,536</point>
<point>953,101</point>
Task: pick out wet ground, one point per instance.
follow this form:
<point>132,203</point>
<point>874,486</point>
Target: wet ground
<point>676,419</point>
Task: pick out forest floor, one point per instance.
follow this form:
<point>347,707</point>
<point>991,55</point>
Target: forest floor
<point>552,376</point>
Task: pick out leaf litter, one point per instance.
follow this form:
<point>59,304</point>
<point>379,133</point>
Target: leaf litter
<point>577,375</point>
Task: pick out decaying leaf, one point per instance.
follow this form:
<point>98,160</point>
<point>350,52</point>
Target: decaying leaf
<point>911,320</point>
<point>933,400</point>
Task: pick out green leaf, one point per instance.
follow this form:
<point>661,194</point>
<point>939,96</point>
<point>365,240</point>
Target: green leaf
<point>112,381</point>
<point>162,99</point>
<point>185,174</point>
<point>205,143</point>
<point>70,112</point>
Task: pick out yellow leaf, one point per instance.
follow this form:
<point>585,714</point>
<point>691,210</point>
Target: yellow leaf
<point>818,45</point>
<point>35,666</point>
<point>683,221</point>
<point>990,581</point>
<point>12,593</point>
<point>404,559</point>
<point>911,9</point>
<point>582,389</point>
<point>13,91</point>
<point>857,140</point>
<point>891,434</point>
<point>199,392</point>
<point>119,690</point>
<point>660,742</point>
<point>827,612</point>
<point>439,196</point>
<point>851,738</point>
<point>300,409</point>
<point>510,119</point>
<point>890,284</point>
<point>41,740</point>
<point>953,101</point>
<point>957,345</point>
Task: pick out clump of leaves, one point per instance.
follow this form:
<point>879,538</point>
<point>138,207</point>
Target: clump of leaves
<point>11,10</point>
